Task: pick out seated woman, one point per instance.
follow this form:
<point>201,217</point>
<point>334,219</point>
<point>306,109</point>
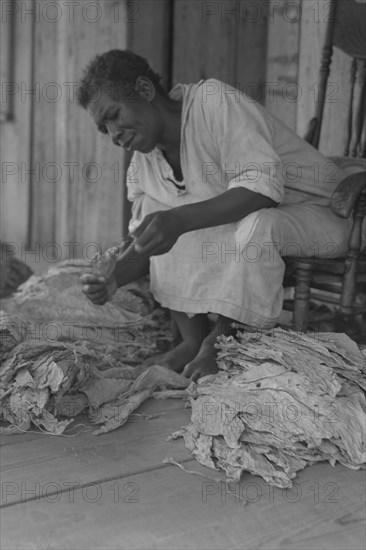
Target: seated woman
<point>221,191</point>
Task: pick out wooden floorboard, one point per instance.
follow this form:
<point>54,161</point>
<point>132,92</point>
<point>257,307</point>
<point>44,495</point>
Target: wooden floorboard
<point>32,463</point>
<point>129,499</point>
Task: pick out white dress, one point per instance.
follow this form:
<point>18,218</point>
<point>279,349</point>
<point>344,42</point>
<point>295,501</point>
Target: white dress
<point>236,270</point>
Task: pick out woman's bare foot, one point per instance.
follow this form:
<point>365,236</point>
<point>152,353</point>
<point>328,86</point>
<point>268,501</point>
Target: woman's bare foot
<point>193,330</point>
<point>205,361</point>
<point>176,358</point>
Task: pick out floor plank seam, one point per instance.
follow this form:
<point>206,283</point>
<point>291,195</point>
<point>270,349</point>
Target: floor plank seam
<point>95,482</point>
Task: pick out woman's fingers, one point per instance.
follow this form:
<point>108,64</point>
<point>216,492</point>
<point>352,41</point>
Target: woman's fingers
<point>98,296</point>
<point>95,288</point>
<point>94,293</point>
<point>91,278</point>
<point>142,226</point>
<point>145,234</point>
<point>157,233</point>
<point>148,246</point>
<point>91,289</point>
<point>152,241</point>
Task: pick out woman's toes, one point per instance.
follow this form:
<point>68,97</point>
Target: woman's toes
<point>201,367</point>
<point>176,358</point>
<point>188,370</point>
<point>155,360</point>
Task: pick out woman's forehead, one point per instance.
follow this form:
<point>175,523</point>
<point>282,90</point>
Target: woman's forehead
<point>104,105</point>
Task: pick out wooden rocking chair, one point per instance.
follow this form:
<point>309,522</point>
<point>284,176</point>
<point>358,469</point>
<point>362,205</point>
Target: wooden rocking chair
<point>331,294</point>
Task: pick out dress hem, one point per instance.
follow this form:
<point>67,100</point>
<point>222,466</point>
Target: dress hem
<point>227,309</point>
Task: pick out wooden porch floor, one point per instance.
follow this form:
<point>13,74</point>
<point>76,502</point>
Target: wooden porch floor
<point>113,491</point>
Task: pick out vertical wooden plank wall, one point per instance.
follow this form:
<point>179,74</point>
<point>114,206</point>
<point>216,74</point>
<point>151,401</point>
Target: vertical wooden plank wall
<point>88,196</point>
<point>73,202</point>
<point>46,172</point>
<point>271,50</point>
<point>296,32</point>
<point>252,49</point>
<point>224,40</point>
<point>61,181</point>
<point>15,133</point>
<point>204,41</point>
<point>150,34</point>
<point>282,92</point>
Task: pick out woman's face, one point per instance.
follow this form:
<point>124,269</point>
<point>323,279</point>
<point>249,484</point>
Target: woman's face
<point>133,124</point>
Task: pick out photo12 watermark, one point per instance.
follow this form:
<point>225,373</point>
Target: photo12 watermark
<point>52,492</point>
<point>252,11</point>
<point>50,332</point>
<point>266,92</point>
<point>289,172</point>
<point>73,172</point>
<point>253,252</point>
<point>70,11</point>
<point>266,411</point>
<point>251,492</point>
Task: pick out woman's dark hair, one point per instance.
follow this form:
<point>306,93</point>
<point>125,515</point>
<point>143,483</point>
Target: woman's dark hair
<point>115,72</point>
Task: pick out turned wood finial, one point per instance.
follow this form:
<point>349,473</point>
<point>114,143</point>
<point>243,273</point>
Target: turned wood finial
<point>326,59</point>
<point>358,108</point>
<point>302,297</point>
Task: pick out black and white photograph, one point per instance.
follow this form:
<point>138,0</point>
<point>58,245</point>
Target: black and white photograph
<point>183,274</point>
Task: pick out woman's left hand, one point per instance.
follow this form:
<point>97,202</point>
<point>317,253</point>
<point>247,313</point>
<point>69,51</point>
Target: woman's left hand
<point>158,232</point>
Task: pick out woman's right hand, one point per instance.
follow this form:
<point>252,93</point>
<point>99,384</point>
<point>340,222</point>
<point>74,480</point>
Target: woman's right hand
<point>97,289</point>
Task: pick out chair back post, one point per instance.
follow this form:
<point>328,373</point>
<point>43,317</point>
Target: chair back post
<point>353,255</point>
<point>337,280</point>
<point>356,142</point>
<point>313,133</point>
<point>349,36</point>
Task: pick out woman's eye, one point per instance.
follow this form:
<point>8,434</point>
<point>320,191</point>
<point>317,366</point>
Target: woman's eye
<point>113,116</point>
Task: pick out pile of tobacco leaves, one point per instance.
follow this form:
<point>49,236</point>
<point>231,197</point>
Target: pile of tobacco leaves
<point>280,401</point>
<point>62,356</point>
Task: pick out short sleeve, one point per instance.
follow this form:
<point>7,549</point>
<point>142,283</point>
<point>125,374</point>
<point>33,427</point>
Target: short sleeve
<point>244,141</point>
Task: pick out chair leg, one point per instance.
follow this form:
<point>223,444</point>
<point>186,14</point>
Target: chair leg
<point>302,298</point>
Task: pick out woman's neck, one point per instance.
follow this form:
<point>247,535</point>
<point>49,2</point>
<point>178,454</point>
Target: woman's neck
<point>171,116</point>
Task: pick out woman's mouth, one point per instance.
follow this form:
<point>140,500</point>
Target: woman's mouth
<point>127,144</point>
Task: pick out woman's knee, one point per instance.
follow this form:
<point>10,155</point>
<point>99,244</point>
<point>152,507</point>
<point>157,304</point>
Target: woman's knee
<point>259,228</point>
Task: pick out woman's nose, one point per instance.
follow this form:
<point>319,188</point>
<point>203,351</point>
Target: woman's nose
<point>115,135</point>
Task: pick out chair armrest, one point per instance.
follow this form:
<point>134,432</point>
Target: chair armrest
<point>345,196</point>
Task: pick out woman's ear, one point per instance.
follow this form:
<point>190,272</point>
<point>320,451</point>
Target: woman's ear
<point>145,88</point>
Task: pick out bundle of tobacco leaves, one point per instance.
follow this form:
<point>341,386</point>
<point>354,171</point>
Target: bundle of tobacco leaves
<point>47,384</point>
<point>55,307</point>
<point>63,356</point>
<point>280,401</point>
